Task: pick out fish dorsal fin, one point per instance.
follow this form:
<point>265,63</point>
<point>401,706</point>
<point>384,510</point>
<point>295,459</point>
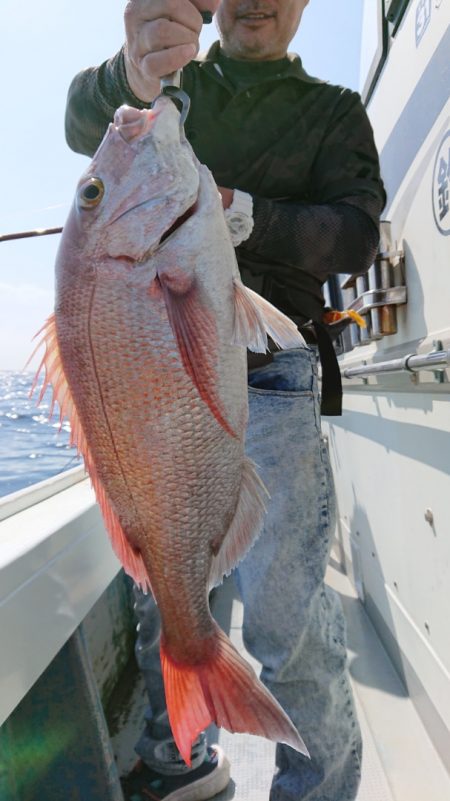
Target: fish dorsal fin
<point>52,367</point>
<point>255,318</point>
<point>245,526</point>
<point>195,330</point>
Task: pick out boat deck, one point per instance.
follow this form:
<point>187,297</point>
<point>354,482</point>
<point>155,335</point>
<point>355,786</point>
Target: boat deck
<point>399,763</point>
<point>69,647</point>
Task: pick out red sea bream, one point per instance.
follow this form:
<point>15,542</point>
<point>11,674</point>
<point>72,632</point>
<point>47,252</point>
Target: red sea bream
<point>146,353</point>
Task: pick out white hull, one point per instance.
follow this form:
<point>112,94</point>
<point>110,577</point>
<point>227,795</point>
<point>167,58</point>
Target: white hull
<point>391,449</point>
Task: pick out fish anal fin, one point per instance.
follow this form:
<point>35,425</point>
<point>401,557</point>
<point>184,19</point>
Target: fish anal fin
<point>221,688</point>
<point>255,319</point>
<point>195,331</point>
<point>52,367</point>
<point>245,525</point>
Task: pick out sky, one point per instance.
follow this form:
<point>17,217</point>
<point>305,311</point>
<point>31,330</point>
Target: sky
<point>43,46</point>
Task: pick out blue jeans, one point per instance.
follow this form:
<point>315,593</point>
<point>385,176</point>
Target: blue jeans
<point>293,623</point>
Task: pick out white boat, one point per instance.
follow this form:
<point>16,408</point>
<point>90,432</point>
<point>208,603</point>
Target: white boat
<point>71,700</point>
<point>391,449</point>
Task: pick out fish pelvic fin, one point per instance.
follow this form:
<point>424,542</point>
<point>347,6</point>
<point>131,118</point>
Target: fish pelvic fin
<point>255,319</point>
<point>52,368</point>
<point>245,526</point>
<point>223,689</point>
<point>196,334</point>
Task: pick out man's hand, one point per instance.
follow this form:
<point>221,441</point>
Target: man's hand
<point>227,196</point>
<point>162,36</point>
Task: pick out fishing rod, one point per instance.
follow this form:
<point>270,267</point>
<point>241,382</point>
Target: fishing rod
<point>170,85</point>
<point>28,234</point>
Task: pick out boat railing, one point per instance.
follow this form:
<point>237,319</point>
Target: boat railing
<point>16,502</point>
<point>375,295</point>
<point>437,360</point>
<point>55,562</point>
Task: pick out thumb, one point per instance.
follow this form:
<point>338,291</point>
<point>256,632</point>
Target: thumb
<point>206,5</point>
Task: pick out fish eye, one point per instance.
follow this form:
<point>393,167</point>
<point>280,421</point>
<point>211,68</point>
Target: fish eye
<point>91,193</point>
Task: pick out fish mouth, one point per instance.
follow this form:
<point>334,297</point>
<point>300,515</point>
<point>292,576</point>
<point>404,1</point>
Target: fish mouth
<point>179,222</point>
<point>148,202</point>
<point>134,124</point>
<point>168,233</point>
<point>146,254</point>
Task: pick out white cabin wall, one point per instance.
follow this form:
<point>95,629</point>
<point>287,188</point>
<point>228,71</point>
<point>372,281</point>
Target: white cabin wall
<point>390,451</point>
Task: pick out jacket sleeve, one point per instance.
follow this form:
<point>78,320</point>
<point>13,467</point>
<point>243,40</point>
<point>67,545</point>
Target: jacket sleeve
<point>94,95</point>
<point>336,230</point>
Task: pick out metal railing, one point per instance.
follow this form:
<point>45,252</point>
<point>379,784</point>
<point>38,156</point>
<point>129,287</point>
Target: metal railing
<point>376,295</point>
<point>435,360</point>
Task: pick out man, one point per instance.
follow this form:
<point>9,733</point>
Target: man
<point>295,163</point>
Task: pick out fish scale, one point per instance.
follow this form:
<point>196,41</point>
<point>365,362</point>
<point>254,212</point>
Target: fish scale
<point>195,504</point>
<point>146,353</point>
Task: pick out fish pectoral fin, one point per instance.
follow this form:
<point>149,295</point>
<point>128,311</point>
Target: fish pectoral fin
<point>223,688</point>
<point>245,526</point>
<point>54,376</point>
<point>195,331</point>
<point>255,318</point>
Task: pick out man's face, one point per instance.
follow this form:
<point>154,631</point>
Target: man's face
<point>258,30</point>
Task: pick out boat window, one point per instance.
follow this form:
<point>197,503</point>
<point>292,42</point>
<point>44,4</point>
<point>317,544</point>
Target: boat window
<point>373,46</point>
<point>394,10</point>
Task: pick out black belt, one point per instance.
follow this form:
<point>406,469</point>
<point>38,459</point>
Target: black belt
<point>331,403</point>
<point>313,334</point>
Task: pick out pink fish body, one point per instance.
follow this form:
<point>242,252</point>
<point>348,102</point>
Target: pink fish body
<point>146,353</point>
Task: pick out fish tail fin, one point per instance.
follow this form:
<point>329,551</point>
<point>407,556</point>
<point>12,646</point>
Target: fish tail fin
<point>223,689</point>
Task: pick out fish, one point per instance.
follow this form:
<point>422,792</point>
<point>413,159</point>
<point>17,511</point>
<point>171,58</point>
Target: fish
<point>146,355</point>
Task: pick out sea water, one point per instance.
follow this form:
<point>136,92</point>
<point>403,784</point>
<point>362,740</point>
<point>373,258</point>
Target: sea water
<point>32,447</point>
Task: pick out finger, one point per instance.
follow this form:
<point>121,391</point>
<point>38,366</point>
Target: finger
<point>227,196</point>
<point>161,35</point>
<point>183,12</point>
<point>165,62</point>
<point>206,5</point>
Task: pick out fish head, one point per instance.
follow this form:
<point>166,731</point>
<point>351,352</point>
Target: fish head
<point>142,178</point>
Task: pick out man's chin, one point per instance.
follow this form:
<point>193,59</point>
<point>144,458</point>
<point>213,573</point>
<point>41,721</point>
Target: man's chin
<point>248,49</point>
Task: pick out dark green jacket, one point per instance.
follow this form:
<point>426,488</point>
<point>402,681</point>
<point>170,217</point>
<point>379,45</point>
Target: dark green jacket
<point>303,148</point>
